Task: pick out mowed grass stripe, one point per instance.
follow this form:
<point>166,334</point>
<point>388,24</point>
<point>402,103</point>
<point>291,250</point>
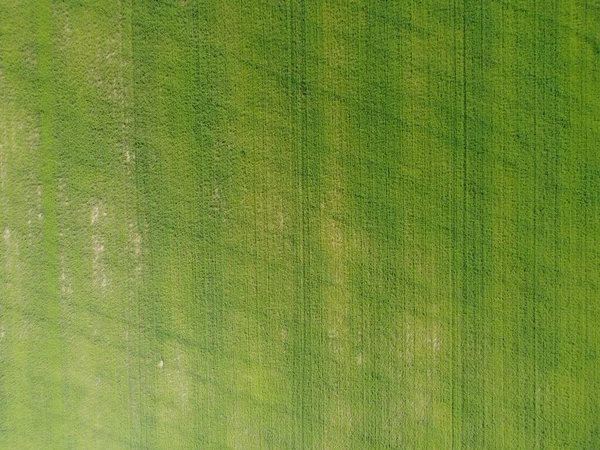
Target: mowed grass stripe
<point>97,254</point>
<point>19,127</point>
<point>41,389</point>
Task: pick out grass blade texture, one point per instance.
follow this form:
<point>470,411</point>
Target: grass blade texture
<point>299,224</point>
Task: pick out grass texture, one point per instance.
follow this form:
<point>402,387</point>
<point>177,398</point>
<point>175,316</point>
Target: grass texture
<point>296,224</point>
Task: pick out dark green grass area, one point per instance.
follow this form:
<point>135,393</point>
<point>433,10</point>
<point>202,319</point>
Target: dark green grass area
<point>299,225</point>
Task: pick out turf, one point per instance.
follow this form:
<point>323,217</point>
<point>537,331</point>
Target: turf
<point>299,225</point>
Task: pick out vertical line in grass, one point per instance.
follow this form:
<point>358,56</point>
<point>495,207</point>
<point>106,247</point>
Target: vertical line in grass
<point>47,304</point>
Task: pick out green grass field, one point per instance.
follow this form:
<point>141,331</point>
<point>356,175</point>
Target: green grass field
<point>260,224</point>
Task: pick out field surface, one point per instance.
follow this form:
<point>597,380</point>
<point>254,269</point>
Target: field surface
<point>299,224</point>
